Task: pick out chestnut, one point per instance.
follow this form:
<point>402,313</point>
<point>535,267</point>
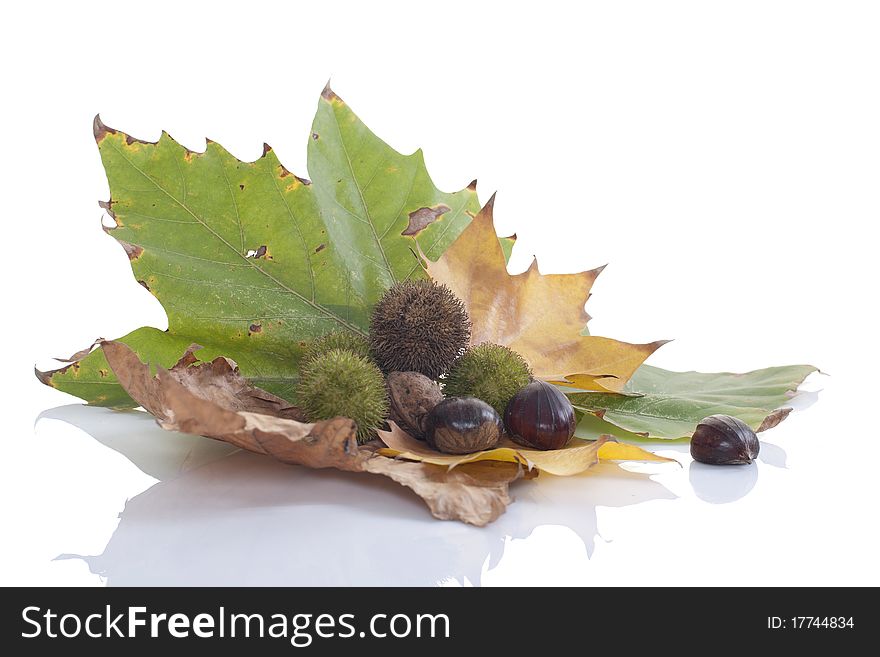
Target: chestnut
<point>540,416</point>
<point>412,395</point>
<point>724,440</point>
<point>461,425</point>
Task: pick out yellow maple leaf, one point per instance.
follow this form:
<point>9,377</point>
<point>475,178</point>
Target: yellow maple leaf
<point>576,457</point>
<point>540,316</point>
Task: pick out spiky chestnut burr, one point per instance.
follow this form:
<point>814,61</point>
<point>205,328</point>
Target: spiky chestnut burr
<point>490,372</point>
<point>343,384</point>
<point>418,326</point>
<point>357,344</point>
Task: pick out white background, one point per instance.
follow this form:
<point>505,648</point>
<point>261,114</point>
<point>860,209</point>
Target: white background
<point>723,157</point>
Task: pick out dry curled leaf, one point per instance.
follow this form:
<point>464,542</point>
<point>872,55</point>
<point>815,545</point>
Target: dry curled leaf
<point>541,316</point>
<point>576,457</point>
<point>217,381</point>
<point>476,493</point>
<point>212,399</point>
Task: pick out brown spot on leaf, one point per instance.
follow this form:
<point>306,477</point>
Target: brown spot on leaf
<point>46,377</point>
<point>108,207</point>
<point>472,185</point>
<point>130,141</point>
<point>241,187</point>
<point>304,181</point>
<point>266,149</point>
<point>254,328</point>
<point>329,94</point>
<point>133,251</point>
<point>103,373</point>
<point>284,171</point>
<point>320,248</point>
<point>773,419</point>
<point>144,284</point>
<point>100,130</point>
<point>424,217</point>
<point>315,136</point>
<point>261,252</point>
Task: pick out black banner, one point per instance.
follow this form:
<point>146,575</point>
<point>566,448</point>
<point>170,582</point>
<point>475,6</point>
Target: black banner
<point>279,621</point>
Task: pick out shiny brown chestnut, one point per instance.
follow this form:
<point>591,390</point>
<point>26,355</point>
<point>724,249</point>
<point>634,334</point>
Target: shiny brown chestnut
<point>461,425</point>
<point>724,440</point>
<point>540,416</point>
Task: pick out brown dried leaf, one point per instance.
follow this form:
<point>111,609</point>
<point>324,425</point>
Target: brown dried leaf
<point>475,493</point>
<point>541,316</point>
<point>218,381</point>
<point>82,353</point>
<point>773,419</point>
<point>213,400</point>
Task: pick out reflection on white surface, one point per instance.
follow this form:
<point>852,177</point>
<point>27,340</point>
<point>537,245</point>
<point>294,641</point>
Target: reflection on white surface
<point>722,484</point>
<point>221,516</point>
<point>772,455</point>
<point>98,497</point>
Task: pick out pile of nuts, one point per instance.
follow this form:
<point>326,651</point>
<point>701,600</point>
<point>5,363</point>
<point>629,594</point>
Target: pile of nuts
<point>538,416</point>
<point>458,398</point>
<point>416,368</point>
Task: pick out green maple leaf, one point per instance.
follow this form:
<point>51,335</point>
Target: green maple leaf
<point>668,405</point>
<point>249,260</point>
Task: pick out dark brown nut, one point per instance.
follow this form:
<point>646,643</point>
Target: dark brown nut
<point>462,425</point>
<point>412,396</point>
<point>540,416</point>
<point>724,440</point>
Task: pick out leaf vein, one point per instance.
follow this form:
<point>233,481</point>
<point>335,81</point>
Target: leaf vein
<point>250,262</point>
<point>361,196</point>
<point>302,239</point>
<point>234,204</point>
<point>412,184</point>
